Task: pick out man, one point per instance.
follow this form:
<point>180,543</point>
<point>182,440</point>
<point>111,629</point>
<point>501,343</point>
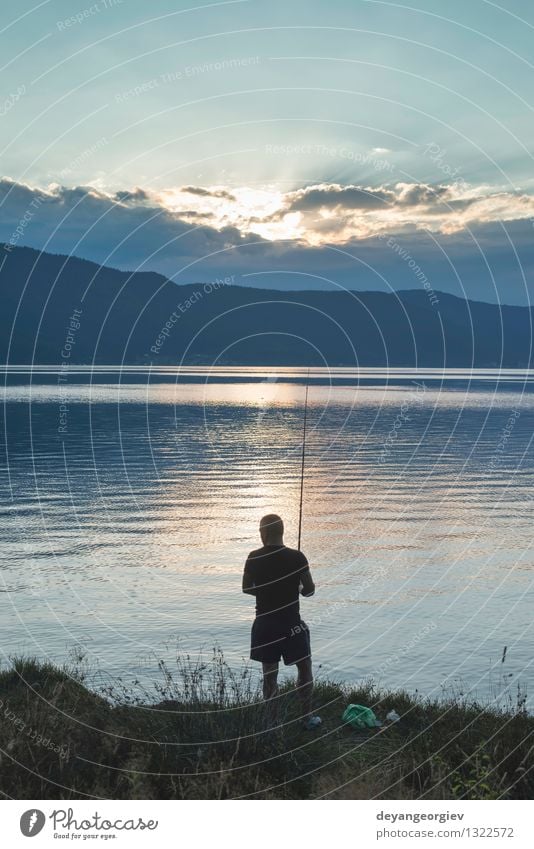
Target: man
<point>275,575</point>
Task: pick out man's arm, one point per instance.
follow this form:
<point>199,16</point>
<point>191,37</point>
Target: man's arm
<point>248,583</point>
<point>307,587</point>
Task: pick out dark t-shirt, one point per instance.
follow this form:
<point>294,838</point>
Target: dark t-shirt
<point>276,572</point>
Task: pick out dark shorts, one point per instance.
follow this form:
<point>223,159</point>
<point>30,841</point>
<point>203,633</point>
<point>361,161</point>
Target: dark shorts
<point>272,640</point>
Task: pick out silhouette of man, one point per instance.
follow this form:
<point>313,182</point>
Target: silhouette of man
<point>276,575</point>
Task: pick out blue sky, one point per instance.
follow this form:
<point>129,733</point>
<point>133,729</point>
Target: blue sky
<point>279,141</point>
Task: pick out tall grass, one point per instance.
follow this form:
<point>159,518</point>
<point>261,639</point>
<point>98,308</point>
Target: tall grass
<point>202,731</point>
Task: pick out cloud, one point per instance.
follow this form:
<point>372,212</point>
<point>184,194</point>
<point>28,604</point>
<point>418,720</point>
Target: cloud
<point>328,196</point>
<point>421,195</point>
<point>478,241</point>
<point>334,196</point>
<point>209,193</point>
<point>127,229</point>
<point>343,213</point>
<point>137,195</point>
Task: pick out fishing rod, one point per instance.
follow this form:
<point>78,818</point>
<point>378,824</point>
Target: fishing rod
<point>303,456</point>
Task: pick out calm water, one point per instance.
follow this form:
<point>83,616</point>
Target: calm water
<point>129,503</point>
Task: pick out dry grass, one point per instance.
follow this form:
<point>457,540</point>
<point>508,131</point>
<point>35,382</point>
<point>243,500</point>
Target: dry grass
<point>203,732</point>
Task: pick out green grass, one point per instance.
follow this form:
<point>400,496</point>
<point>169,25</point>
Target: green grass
<point>203,732</point>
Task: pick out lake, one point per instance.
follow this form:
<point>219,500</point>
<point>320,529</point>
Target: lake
<point>130,500</point>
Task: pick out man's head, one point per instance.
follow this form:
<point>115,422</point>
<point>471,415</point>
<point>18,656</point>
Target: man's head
<point>272,530</point>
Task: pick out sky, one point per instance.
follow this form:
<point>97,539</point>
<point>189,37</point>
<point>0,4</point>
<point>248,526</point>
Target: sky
<point>357,144</point>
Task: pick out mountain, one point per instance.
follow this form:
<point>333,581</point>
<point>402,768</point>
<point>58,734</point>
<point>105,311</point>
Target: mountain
<point>65,309</point>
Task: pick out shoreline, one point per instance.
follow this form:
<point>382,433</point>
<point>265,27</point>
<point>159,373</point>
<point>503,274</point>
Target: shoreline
<point>209,736</point>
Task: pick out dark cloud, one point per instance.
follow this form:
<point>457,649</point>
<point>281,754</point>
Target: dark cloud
<point>193,213</point>
<point>358,197</point>
<point>349,197</point>
<point>198,190</point>
<point>137,196</point>
<point>18,195</point>
<point>422,195</point>
<point>91,224</point>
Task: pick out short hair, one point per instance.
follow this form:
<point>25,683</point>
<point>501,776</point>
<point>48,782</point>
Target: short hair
<point>272,525</point>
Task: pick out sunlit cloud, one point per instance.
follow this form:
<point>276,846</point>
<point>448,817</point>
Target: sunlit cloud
<point>333,213</point>
<point>250,210</point>
<point>315,215</point>
<point>314,236</point>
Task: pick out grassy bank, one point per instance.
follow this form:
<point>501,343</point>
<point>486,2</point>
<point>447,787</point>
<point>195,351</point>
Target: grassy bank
<point>203,733</point>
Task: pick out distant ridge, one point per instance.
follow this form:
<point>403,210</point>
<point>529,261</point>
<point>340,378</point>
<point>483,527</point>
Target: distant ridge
<point>65,309</point>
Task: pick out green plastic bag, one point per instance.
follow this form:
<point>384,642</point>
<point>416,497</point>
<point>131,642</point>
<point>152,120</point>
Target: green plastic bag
<point>360,716</point>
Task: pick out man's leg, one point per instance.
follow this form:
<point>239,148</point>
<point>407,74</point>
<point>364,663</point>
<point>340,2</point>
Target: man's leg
<point>270,691</point>
<point>270,680</point>
<point>305,685</point>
